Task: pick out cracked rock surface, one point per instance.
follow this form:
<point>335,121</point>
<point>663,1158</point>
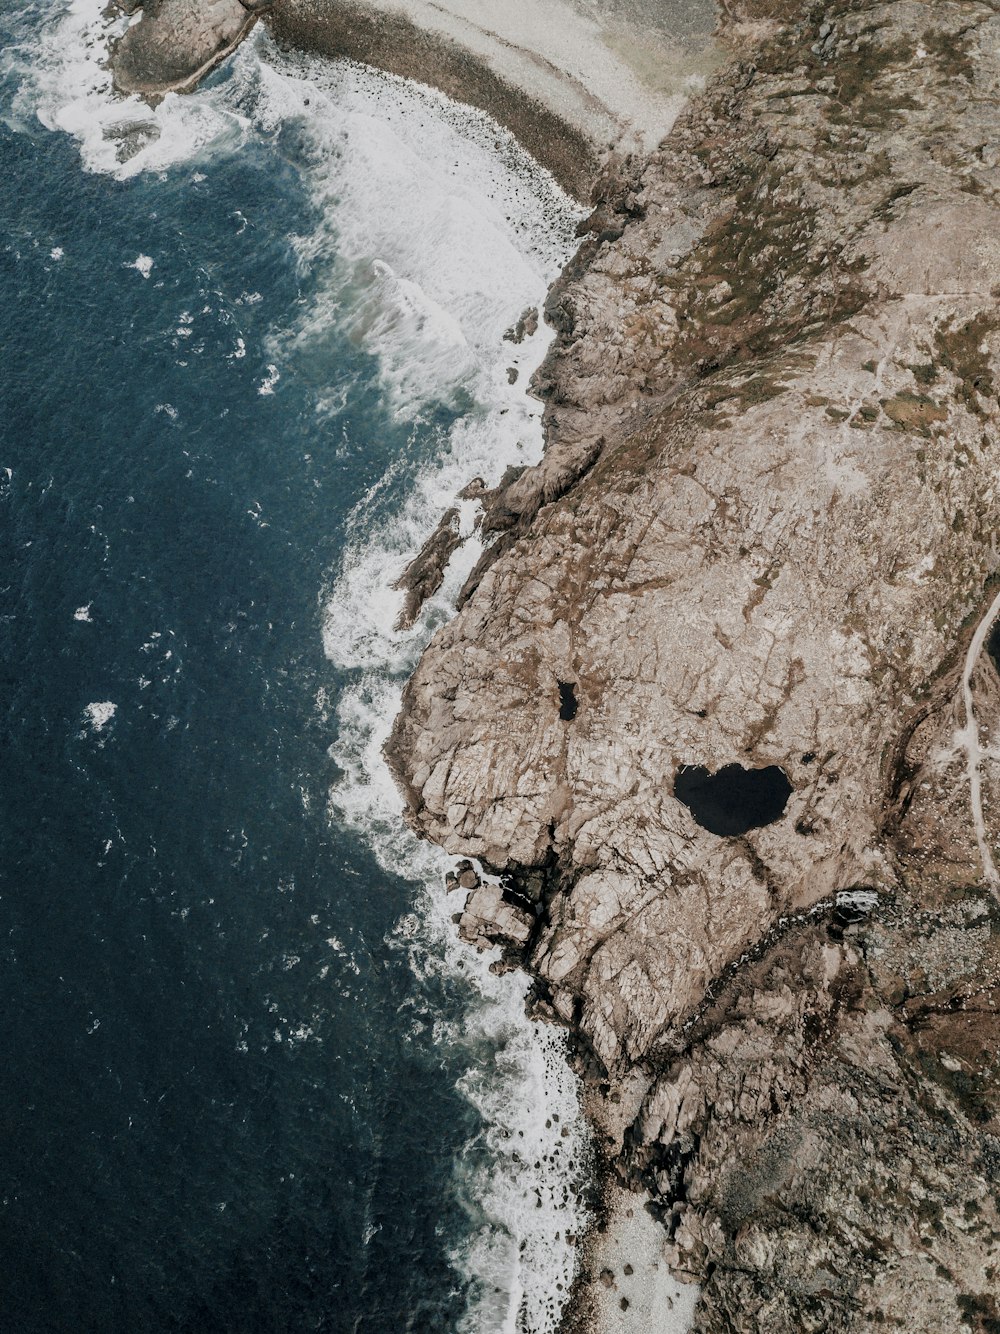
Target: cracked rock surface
<point>762,534</point>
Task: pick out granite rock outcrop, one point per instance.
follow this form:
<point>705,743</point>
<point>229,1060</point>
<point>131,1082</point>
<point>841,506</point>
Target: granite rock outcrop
<point>763,533</point>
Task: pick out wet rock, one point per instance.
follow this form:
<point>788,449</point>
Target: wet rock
<point>424,575</point>
<point>490,920</point>
<point>474,490</point>
<point>526,327</point>
<point>176,42</point>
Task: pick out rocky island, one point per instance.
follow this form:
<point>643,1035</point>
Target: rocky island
<point>719,713</point>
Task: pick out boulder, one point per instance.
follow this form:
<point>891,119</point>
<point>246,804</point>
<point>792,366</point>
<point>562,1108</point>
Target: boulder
<point>176,43</point>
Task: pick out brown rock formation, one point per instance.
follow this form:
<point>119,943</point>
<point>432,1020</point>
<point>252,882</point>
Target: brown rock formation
<point>176,43</point>
<point>762,534</point>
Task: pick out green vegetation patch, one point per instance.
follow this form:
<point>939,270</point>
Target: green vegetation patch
<point>959,347</point>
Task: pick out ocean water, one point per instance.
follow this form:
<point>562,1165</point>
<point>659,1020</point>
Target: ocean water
<point>252,346</point>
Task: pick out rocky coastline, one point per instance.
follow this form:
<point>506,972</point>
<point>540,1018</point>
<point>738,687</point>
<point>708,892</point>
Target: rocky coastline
<point>763,535</point>
<point>173,44</point>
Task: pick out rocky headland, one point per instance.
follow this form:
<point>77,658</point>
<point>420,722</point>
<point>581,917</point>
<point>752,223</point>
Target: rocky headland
<point>718,715</point>
<point>763,534</point>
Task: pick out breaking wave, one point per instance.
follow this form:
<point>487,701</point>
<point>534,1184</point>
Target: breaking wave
<point>433,232</point>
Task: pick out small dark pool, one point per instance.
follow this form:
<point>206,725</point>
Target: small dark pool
<point>567,701</point>
<point>734,800</point>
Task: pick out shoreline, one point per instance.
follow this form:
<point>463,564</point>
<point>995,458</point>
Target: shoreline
<point>393,43</point>
<point>733,382</point>
<point>570,89</point>
<point>715,332</point>
<point>623,1239</point>
<point>623,1283</point>
<point>572,84</point>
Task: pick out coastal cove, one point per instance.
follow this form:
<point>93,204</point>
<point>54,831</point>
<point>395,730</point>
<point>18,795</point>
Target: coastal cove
<point>627,430</point>
<point>570,79</point>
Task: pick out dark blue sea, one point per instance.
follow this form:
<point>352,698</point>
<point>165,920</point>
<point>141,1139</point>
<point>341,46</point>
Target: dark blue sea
<point>252,346</point>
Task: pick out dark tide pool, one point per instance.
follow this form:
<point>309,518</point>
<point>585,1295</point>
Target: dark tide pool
<point>733,800</point>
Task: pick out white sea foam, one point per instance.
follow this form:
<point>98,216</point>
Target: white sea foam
<point>469,260</point>
<point>266,386</point>
<point>434,233</point>
<point>66,84</point>
<point>519,1179</point>
<point>99,715</point>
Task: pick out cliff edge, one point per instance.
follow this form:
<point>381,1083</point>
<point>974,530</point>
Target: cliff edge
<point>708,709</point>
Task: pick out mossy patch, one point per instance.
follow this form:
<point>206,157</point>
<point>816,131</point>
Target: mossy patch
<point>951,51</point>
<point>924,372</point>
<point>959,347</point>
<point>980,1312</point>
<point>914,411</point>
<point>868,87</point>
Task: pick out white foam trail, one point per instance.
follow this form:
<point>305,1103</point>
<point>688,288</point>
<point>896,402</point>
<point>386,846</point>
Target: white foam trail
<point>519,1180</point>
<point>434,233</point>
